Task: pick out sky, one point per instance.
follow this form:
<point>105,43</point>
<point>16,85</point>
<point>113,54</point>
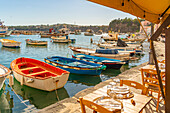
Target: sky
<point>37,12</point>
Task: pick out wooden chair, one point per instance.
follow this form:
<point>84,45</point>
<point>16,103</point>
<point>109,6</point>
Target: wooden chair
<point>134,84</point>
<point>161,61</point>
<point>95,107</point>
<point>150,79</point>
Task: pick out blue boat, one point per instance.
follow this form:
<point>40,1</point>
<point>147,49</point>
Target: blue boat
<point>75,66</point>
<point>109,63</point>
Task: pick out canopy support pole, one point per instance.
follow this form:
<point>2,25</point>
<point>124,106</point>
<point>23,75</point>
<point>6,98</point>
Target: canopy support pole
<point>167,71</point>
<point>153,38</point>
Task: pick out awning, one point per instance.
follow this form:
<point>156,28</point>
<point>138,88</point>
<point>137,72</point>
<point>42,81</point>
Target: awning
<point>150,10</point>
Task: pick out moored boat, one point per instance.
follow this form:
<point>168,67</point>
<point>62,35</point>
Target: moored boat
<point>62,39</point>
<point>89,32</point>
<point>39,75</point>
<point>4,71</point>
<point>107,53</point>
<point>36,42</point>
<point>10,43</point>
<point>75,66</point>
<point>77,32</point>
<point>109,63</point>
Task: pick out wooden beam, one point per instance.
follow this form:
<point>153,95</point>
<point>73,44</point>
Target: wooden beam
<point>159,30</point>
<point>167,71</point>
<point>153,38</point>
<point>157,69</point>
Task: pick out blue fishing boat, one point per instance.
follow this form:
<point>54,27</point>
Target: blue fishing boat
<point>109,63</point>
<point>75,66</point>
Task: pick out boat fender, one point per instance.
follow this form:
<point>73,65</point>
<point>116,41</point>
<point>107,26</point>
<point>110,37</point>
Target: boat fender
<point>65,67</point>
<point>54,64</point>
<point>22,80</point>
<point>91,61</point>
<point>47,61</point>
<point>30,80</point>
<point>11,80</point>
<point>76,68</point>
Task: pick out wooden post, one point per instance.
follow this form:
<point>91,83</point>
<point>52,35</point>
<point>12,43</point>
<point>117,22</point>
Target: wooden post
<point>167,71</point>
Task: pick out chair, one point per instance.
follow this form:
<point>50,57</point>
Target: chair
<point>95,107</point>
<point>150,79</point>
<point>135,85</point>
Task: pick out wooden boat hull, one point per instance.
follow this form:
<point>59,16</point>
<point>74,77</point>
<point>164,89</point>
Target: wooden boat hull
<point>45,36</point>
<point>76,69</point>
<point>46,85</point>
<point>88,34</point>
<point>109,65</point>
<point>43,76</point>
<point>37,44</point>
<point>4,71</point>
<point>64,40</point>
<point>11,45</point>
<point>125,40</point>
<point>82,72</point>
<point>122,57</point>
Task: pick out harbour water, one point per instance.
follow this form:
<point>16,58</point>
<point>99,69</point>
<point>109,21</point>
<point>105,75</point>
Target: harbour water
<point>34,99</point>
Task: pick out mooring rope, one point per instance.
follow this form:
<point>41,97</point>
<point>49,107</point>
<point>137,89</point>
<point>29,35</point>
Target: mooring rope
<point>17,95</point>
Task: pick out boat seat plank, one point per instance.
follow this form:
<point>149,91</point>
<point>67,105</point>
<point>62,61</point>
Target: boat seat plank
<point>29,68</point>
<point>41,72</point>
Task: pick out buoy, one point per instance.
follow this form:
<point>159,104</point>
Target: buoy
<point>11,80</point>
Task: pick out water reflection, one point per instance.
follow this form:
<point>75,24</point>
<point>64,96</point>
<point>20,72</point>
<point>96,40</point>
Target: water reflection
<point>39,98</point>
<point>13,50</point>
<point>6,102</point>
<point>85,79</point>
<point>35,46</point>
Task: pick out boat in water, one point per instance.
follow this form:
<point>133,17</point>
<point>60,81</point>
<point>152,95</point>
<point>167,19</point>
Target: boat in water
<point>107,53</point>
<point>10,43</point>
<point>63,39</point>
<point>109,63</point>
<point>4,72</point>
<point>4,31</point>
<point>39,75</point>
<point>77,32</point>
<point>36,42</point>
<point>75,66</point>
<point>89,32</point>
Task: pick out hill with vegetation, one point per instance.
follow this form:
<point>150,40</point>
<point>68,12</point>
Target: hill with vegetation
<point>117,25</point>
<point>124,25</point>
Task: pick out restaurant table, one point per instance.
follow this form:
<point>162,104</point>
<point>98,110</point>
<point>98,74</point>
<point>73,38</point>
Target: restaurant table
<point>152,67</point>
<point>140,100</point>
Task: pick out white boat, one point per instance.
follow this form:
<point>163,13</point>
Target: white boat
<point>113,54</point>
<point>4,71</point>
<point>4,31</point>
<point>10,43</point>
<point>39,75</point>
<point>62,39</point>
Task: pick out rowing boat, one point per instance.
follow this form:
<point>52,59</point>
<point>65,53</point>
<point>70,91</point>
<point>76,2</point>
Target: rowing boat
<point>109,63</point>
<point>36,42</point>
<point>75,66</point>
<point>39,75</point>
<point>10,43</point>
<point>107,53</point>
<point>4,71</point>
